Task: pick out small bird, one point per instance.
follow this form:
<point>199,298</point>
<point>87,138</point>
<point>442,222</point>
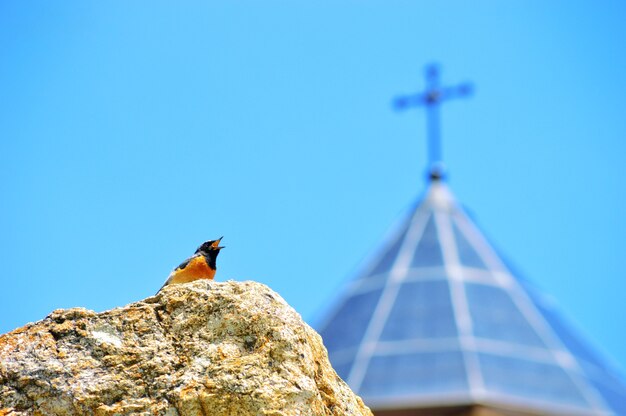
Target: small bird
<point>199,266</point>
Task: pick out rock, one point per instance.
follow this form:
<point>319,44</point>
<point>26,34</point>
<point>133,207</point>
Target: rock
<point>201,348</point>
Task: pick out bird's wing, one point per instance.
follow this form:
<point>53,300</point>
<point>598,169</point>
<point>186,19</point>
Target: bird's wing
<point>180,267</point>
<point>185,263</point>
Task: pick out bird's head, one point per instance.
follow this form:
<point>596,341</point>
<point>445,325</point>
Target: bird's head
<point>210,247</point>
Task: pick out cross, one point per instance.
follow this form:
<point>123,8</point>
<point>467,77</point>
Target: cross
<point>431,99</point>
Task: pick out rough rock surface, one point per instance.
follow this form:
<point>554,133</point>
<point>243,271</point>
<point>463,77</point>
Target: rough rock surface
<point>202,348</point>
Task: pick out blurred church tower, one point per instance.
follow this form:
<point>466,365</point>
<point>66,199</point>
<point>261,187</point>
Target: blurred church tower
<point>438,324</point>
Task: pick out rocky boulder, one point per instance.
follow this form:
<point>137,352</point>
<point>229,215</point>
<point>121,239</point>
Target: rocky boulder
<point>202,348</point>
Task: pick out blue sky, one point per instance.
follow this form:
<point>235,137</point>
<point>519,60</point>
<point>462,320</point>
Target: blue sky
<point>132,132</point>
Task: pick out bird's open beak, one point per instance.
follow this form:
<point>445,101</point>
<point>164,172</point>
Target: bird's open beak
<point>216,243</point>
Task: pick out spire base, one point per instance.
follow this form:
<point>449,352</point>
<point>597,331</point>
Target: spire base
<point>437,172</point>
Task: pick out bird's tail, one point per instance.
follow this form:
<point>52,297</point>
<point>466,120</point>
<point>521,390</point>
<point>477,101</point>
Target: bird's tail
<point>167,282</point>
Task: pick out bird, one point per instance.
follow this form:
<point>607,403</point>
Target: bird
<point>199,266</point>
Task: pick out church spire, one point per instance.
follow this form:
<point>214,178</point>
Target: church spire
<point>431,98</point>
<point>437,324</point>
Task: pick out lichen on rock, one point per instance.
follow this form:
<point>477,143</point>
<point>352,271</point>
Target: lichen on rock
<point>202,348</point>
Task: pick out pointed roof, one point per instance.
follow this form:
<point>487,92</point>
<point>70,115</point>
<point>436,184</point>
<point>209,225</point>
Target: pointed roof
<point>438,319</point>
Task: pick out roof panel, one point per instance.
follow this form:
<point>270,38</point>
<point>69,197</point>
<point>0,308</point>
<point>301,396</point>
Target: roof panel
<point>468,255</point>
<point>567,335</point>
<point>343,369</point>
<point>421,310</point>
<point>495,316</point>
<point>388,257</point>
<point>347,326</point>
<point>613,395</point>
<point>414,374</point>
<point>530,379</point>
<point>428,251</point>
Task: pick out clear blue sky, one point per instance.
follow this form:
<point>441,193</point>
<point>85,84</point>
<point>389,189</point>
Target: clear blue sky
<point>132,131</point>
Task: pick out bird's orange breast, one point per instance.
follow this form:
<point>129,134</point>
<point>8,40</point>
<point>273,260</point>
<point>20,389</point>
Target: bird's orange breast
<point>197,268</point>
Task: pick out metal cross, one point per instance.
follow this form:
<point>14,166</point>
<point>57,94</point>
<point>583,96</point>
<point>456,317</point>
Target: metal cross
<point>431,99</point>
